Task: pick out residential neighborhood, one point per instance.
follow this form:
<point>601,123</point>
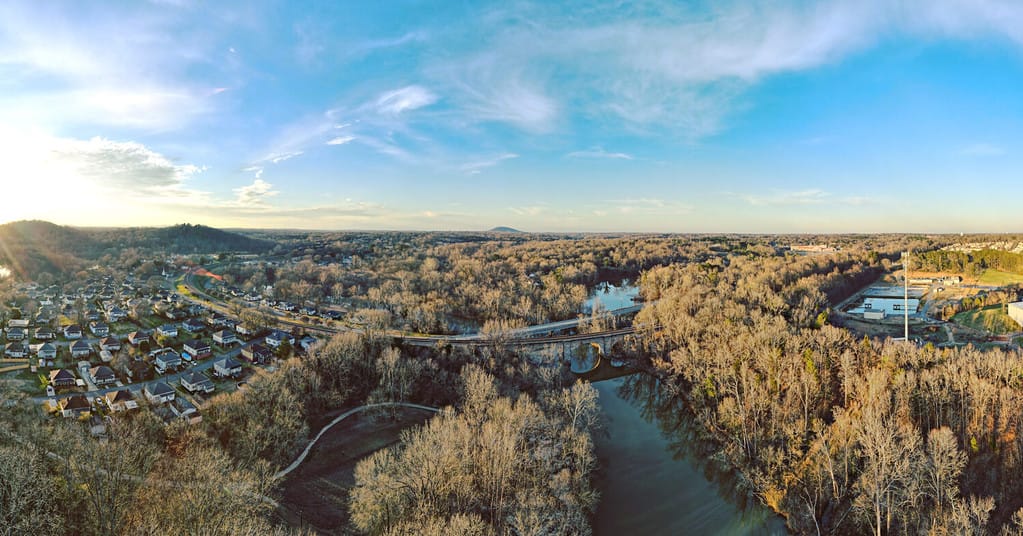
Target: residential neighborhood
<point>140,348</point>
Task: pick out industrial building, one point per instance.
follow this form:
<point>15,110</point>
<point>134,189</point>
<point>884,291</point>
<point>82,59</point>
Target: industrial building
<point>1015,311</point>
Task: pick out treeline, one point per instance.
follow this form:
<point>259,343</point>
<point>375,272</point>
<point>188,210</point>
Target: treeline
<point>495,465</point>
<point>974,263</point>
<point>840,436</point>
<point>434,287</point>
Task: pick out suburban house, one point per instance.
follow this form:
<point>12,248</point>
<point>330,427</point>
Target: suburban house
<point>193,326</point>
<point>120,400</point>
<point>167,359</point>
<point>110,344</point>
<point>227,367</point>
<point>45,334</point>
<point>185,410</point>
<point>92,315</point>
<point>62,378</point>
<point>216,319</point>
<point>194,382</point>
<point>306,343</point>
<point>198,349</point>
<point>116,314</point>
<point>277,337</point>
<point>136,337</point>
<point>102,375</point>
<point>15,334</point>
<point>74,406</point>
<point>225,337</point>
<point>74,331</point>
<point>167,330</point>
<point>257,353</point>
<point>105,356</point>
<point>244,329</point>
<point>15,350</point>
<point>80,348</point>
<point>18,323</point>
<point>99,329</point>
<point>46,351</point>
<point>158,392</point>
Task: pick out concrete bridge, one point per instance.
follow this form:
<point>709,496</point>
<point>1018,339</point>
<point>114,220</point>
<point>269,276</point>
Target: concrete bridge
<point>542,350</point>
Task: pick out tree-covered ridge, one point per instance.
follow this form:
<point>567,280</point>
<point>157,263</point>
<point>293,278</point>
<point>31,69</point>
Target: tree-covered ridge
<point>839,435</point>
<point>29,248</point>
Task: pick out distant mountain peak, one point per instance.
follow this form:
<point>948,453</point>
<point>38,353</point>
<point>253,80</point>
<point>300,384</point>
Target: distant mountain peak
<point>504,230</point>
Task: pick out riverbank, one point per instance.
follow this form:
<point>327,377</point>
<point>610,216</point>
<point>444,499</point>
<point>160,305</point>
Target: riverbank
<point>646,488</point>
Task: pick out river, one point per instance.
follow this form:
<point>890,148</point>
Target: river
<point>646,490</point>
<point>612,296</point>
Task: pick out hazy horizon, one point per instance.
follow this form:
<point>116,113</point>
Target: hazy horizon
<point>780,117</point>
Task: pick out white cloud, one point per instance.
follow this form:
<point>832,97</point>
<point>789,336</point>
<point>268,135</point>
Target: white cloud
<point>599,152</point>
<point>127,166</point>
<point>340,140</point>
<point>255,194</point>
<point>405,99</point>
<point>474,168</point>
<point>277,158</point>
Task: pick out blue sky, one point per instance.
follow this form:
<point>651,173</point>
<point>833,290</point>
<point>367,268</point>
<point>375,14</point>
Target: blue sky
<point>842,116</point>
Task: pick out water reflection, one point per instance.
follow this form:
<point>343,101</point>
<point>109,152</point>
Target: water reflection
<point>612,295</point>
<point>656,478</point>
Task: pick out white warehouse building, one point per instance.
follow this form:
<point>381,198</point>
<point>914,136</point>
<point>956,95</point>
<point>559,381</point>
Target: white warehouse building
<point>886,306</point>
<point>1016,312</point>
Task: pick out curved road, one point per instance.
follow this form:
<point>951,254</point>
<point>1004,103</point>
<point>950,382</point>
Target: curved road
<point>308,448</point>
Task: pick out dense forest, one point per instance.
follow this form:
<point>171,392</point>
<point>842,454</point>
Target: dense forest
<point>838,435</point>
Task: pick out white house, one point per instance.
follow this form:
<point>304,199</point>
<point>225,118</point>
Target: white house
<point>167,330</point>
<point>277,337</point>
<point>225,337</point>
<point>194,382</point>
<point>159,392</point>
<point>227,367</point>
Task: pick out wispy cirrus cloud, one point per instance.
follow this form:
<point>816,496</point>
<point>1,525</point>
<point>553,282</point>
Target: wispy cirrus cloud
<point>340,140</point>
<point>474,168</point>
<point>405,99</point>
<point>599,153</point>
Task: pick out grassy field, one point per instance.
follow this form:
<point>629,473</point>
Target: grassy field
<point>1000,278</point>
<point>316,494</point>
<point>991,319</point>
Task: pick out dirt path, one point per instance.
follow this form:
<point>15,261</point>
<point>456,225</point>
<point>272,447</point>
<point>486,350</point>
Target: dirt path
<point>301,457</point>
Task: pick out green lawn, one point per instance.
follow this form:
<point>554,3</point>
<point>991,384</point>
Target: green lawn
<point>990,319</point>
<point>999,278</point>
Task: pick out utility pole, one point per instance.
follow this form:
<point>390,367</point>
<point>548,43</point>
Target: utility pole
<point>905,298</point>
